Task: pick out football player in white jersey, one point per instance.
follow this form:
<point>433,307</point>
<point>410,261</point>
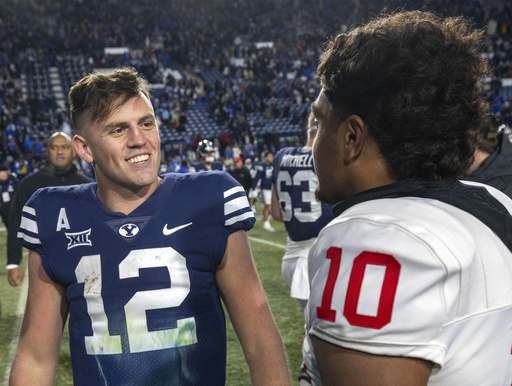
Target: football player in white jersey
<point>411,283</point>
<point>140,262</point>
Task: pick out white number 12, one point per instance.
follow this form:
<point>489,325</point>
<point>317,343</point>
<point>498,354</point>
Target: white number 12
<point>88,271</point>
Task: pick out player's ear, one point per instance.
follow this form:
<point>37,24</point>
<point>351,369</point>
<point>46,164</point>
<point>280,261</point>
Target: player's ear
<point>355,136</point>
<point>81,148</point>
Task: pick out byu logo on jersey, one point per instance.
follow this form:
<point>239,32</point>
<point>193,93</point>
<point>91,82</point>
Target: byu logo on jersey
<point>129,230</point>
<point>79,238</point>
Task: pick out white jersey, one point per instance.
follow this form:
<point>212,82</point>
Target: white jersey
<point>415,277</point>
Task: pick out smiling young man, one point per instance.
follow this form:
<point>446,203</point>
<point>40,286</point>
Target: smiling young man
<point>140,261</point>
<point>411,283</point>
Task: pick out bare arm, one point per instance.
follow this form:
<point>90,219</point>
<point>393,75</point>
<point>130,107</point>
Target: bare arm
<point>248,310</point>
<point>41,332</point>
<point>339,366</point>
<point>275,209</point>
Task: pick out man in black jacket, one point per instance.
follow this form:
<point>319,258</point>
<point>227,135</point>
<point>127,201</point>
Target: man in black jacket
<point>59,171</point>
<point>493,158</point>
<point>242,175</point>
<point>8,185</point>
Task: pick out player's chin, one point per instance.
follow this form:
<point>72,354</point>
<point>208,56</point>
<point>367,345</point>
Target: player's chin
<point>142,181</point>
<point>324,196</point>
<point>146,172</point>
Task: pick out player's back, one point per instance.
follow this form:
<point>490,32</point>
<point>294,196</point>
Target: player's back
<point>478,329</point>
<point>445,294</point>
<point>295,181</point>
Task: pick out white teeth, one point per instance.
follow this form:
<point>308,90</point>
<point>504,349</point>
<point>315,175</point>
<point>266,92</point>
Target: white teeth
<point>138,159</point>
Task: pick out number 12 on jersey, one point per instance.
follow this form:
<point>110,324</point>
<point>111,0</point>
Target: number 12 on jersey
<point>353,295</point>
<point>140,338</point>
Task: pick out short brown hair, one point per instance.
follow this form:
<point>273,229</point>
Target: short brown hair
<point>96,95</point>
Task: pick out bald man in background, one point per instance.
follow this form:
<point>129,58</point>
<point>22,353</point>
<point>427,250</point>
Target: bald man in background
<point>58,171</point>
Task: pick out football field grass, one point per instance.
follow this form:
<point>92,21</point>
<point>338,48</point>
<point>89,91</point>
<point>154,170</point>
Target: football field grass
<point>267,249</point>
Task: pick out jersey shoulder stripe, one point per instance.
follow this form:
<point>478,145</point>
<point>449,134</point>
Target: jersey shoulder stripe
<point>236,206</point>
<point>28,227</point>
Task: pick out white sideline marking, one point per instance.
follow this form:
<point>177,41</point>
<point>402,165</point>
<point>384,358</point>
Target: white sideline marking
<point>267,242</point>
<point>22,300</point>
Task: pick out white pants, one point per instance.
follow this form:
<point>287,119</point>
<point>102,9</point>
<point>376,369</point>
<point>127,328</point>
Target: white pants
<point>266,196</point>
<point>294,269</point>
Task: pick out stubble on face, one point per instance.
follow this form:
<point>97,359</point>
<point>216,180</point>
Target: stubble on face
<point>320,197</point>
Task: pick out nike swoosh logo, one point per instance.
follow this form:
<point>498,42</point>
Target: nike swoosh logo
<point>168,231</point>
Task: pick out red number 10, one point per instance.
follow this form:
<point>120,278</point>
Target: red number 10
<point>387,295</point>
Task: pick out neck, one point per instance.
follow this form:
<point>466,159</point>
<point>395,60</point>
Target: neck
<point>369,171</point>
<point>55,170</point>
<point>125,200</point>
<point>480,156</point>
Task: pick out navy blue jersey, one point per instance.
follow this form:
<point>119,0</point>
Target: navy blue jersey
<point>143,302</point>
<point>263,174</point>
<point>199,166</point>
<point>295,181</point>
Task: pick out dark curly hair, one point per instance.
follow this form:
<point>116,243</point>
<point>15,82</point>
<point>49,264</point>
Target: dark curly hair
<point>490,130</point>
<point>414,78</point>
<point>98,94</point>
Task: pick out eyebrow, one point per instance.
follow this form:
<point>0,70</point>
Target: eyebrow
<point>125,123</point>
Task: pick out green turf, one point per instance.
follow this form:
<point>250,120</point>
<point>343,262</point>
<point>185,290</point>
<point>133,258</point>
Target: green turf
<point>287,313</point>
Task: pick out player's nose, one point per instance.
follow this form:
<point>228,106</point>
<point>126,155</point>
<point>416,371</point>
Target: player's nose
<point>136,137</point>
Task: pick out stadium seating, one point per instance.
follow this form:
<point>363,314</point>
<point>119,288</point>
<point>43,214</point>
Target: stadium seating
<point>211,63</point>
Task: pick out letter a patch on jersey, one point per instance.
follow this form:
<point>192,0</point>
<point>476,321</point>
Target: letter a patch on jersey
<point>79,239</point>
<point>62,221</point>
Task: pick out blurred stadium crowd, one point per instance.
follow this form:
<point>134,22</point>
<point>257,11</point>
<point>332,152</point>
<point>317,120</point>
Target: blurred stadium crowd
<point>238,72</point>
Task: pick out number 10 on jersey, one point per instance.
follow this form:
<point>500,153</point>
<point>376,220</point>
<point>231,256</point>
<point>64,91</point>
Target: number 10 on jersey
<point>353,295</point>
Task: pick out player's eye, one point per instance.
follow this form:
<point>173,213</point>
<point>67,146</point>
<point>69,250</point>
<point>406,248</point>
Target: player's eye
<point>117,130</point>
<point>315,123</point>
<point>148,124</point>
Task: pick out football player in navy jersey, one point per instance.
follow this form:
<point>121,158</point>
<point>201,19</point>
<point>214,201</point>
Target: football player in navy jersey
<point>293,202</point>
<point>206,155</point>
<point>263,180</point>
<point>138,261</point>
<point>411,283</point>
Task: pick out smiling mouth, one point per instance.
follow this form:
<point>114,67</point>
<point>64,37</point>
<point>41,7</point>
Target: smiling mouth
<point>139,159</point>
